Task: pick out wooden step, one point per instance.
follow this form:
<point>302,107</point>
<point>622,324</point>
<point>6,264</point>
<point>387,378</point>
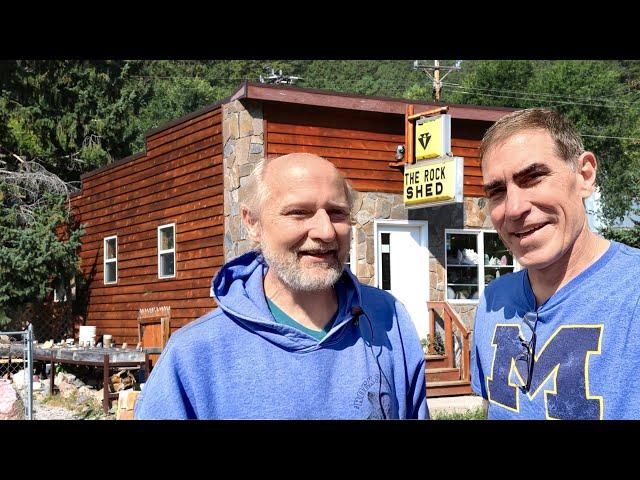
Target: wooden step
<point>442,374</point>
<point>447,389</point>
<point>436,361</point>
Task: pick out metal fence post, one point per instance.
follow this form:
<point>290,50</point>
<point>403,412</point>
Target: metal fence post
<point>25,354</point>
<point>29,335</point>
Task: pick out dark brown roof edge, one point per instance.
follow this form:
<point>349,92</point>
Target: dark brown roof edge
<point>350,101</point>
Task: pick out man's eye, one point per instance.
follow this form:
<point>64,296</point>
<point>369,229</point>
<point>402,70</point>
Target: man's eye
<point>339,214</point>
<point>494,194</point>
<point>531,180</point>
<point>297,213</point>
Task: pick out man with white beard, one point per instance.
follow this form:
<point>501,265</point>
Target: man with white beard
<point>295,335</point>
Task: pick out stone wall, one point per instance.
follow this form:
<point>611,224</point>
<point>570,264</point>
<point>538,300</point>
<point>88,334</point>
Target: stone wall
<point>368,207</point>
<point>243,140</point>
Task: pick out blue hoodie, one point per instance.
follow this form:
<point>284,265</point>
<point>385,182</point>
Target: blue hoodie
<point>238,363</point>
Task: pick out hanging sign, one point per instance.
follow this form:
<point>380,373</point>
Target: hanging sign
<point>433,137</point>
<point>433,182</point>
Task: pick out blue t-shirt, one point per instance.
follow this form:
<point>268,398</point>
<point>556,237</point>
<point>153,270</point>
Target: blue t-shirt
<point>587,355</point>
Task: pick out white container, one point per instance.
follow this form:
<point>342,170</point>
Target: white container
<point>106,341</point>
<point>87,335</point>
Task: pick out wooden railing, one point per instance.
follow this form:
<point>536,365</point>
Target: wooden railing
<point>451,320</point>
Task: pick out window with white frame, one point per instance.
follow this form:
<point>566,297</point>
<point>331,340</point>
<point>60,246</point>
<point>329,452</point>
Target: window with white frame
<point>167,251</point>
<point>473,259</point>
<point>110,259</point>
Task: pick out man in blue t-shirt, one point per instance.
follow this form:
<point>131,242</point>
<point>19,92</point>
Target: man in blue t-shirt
<point>295,334</point>
<point>559,339</point>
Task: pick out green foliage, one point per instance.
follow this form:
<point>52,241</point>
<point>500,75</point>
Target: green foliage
<point>31,253</point>
<point>70,116</point>
<point>598,97</point>
<point>495,83</point>
<point>629,236</point>
<point>438,343</point>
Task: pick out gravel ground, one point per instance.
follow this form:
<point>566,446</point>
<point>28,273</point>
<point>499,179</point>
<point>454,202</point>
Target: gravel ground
<point>58,411</point>
<point>43,411</point>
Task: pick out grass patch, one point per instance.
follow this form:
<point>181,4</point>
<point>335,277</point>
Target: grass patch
<point>475,414</point>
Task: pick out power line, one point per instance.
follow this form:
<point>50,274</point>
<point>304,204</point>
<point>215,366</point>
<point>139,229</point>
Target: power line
<point>560,96</point>
<point>605,136</point>
<point>548,100</point>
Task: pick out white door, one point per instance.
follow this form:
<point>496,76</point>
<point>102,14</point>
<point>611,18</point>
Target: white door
<point>402,266</point>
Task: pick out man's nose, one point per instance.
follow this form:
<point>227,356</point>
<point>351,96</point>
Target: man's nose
<point>516,203</point>
<point>321,227</point>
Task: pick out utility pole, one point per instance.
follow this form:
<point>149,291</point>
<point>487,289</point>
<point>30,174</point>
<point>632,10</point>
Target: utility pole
<point>437,81</point>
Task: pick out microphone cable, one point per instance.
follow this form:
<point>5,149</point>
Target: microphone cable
<point>357,311</point>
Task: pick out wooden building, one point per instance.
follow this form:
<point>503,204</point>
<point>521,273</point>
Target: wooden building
<point>160,223</point>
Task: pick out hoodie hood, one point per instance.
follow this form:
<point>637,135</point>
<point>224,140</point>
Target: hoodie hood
<point>239,292</point>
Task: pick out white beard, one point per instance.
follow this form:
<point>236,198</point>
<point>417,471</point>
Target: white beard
<point>297,277</point>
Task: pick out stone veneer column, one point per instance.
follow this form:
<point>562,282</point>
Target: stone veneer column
<point>369,206</point>
<point>243,140</point>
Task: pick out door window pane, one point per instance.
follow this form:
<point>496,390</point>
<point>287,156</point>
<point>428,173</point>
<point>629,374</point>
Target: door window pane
<point>385,251</point>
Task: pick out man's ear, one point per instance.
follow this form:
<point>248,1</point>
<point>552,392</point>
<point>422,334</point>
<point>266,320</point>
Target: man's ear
<point>251,224</point>
<point>586,169</point>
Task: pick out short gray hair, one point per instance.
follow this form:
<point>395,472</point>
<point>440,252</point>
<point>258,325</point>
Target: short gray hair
<point>256,190</point>
<point>567,141</point>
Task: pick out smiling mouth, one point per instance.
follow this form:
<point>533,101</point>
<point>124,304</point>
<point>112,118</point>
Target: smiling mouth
<point>526,233</point>
<point>318,253</point>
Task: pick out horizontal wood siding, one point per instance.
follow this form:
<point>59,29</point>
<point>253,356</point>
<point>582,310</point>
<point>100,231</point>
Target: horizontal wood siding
<point>179,180</point>
<point>361,144</point>
<point>465,142</point>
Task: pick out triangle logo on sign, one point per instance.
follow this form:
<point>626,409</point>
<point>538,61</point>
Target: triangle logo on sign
<point>424,140</point>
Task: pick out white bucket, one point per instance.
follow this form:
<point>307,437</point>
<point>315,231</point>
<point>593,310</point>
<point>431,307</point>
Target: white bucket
<point>87,335</point>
